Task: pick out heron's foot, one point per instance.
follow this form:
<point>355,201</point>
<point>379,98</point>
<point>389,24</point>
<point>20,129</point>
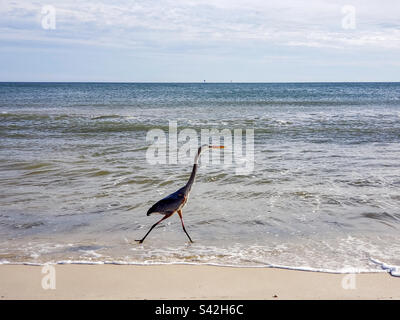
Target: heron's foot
<point>140,241</point>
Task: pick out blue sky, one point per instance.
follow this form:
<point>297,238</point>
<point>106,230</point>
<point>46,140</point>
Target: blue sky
<point>193,40</point>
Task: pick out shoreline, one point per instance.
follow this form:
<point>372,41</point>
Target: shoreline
<point>350,270</point>
<point>175,282</point>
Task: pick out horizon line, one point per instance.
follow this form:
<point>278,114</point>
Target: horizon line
<point>200,82</point>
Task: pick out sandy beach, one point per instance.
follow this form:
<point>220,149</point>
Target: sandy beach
<point>191,282</point>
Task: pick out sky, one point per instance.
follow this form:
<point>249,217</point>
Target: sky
<point>196,40</point>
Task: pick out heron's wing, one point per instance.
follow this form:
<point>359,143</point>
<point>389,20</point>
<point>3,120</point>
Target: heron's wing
<point>168,204</point>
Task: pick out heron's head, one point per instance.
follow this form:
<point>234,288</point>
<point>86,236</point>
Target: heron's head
<point>206,146</point>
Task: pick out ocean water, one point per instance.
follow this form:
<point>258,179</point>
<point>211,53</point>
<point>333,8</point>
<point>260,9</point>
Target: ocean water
<point>75,183</point>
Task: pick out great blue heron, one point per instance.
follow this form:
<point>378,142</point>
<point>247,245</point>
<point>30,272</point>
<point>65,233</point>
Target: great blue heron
<point>177,200</point>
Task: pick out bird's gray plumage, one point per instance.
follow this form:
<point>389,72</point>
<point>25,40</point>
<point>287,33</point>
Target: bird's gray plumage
<point>168,204</point>
<point>175,201</point>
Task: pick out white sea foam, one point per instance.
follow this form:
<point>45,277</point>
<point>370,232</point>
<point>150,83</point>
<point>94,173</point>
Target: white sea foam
<point>393,270</point>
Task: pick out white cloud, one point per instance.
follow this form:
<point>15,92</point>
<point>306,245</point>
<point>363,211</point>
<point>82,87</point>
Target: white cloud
<point>165,23</point>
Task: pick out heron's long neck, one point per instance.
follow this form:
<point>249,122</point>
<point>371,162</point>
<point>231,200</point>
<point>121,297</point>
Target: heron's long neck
<point>194,171</point>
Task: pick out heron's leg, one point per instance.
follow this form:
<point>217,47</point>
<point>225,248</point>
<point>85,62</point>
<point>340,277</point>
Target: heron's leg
<point>165,217</point>
<point>183,226</point>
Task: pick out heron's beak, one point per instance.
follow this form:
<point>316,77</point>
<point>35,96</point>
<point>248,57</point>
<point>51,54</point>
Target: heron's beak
<point>217,147</point>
